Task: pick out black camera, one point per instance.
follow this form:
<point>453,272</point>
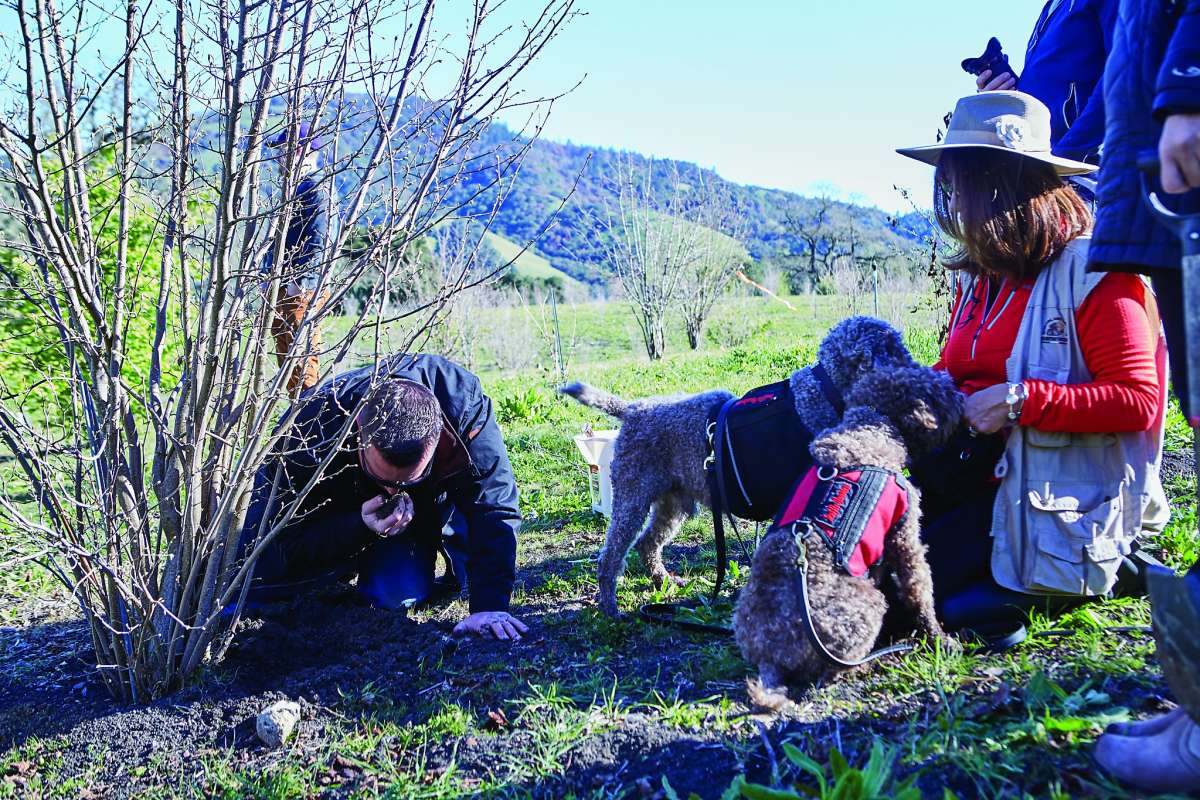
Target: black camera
<point>993,58</point>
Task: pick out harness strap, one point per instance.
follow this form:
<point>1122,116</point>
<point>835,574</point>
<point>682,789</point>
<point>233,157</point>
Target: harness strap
<point>720,503</point>
<point>828,389</point>
<point>806,620</point>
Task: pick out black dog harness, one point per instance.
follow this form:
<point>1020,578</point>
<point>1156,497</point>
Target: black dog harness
<point>758,446</point>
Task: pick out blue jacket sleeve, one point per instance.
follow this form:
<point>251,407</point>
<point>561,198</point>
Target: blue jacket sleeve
<point>1178,89</point>
<point>1083,139</point>
<point>487,499</point>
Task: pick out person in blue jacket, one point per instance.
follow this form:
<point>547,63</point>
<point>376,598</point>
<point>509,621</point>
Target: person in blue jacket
<point>421,455</point>
<point>1064,64</point>
<point>1152,93</point>
<point>303,257</point>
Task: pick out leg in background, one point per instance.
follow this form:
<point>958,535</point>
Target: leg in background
<point>290,310</point>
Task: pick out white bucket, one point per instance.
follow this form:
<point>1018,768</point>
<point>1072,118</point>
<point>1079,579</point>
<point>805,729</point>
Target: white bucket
<point>597,450</point>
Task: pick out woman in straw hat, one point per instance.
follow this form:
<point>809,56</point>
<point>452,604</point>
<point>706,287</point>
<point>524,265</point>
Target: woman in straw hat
<point>1039,502</point>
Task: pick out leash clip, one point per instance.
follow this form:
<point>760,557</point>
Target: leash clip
<point>712,447</point>
<point>822,475</point>
<point>801,530</point>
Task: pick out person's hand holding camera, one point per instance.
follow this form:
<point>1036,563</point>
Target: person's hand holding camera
<point>984,82</point>
<point>388,516</point>
<point>1179,153</point>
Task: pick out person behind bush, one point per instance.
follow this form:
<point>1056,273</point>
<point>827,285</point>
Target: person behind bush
<point>299,270</point>
<point>1152,92</point>
<point>1040,501</point>
<point>424,455</point>
<point>1064,65</point>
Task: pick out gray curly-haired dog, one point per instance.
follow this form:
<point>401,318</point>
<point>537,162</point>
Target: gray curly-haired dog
<point>892,417</point>
<point>658,457</point>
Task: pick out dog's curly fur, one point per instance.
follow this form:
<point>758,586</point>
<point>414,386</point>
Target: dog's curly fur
<point>893,416</point>
<point>658,457</point>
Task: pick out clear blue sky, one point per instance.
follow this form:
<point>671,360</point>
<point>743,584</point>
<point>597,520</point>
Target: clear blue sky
<point>781,93</point>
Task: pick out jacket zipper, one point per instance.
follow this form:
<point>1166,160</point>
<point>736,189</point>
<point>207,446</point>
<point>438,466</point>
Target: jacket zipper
<point>983,323</point>
<point>1071,100</point>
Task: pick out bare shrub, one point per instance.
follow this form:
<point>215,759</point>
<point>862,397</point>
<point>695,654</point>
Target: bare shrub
<point>146,398</point>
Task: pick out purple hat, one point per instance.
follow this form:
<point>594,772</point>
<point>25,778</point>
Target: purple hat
<point>306,136</point>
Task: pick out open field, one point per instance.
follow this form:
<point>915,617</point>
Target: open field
<point>584,707</point>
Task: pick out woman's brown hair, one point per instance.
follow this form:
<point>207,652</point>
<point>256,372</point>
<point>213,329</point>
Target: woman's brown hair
<point>1010,215</point>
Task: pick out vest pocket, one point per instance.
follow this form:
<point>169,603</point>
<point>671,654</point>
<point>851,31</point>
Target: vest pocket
<point>1077,539</point>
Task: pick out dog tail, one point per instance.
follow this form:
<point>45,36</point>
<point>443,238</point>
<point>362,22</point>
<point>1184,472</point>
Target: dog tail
<point>590,396</point>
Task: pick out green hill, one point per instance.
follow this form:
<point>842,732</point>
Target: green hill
<point>529,264</point>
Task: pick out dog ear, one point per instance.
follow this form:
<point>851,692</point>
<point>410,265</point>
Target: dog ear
<point>923,416</point>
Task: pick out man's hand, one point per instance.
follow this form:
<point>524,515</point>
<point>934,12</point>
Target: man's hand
<point>984,82</point>
<point>1179,153</point>
<point>391,523</point>
<point>498,624</point>
<point>986,410</point>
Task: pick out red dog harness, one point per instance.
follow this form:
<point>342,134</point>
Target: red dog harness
<point>852,510</point>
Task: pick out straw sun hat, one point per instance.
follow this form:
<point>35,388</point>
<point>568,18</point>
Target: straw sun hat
<point>1012,122</point>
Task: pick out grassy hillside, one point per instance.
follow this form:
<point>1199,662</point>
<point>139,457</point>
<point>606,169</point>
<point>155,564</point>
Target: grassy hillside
<point>528,264</point>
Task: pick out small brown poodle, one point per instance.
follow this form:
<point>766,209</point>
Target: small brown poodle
<point>892,417</point>
<point>658,460</point>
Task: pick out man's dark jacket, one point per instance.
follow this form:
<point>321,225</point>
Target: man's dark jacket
<point>470,473</point>
<point>1153,71</point>
<point>1064,64</point>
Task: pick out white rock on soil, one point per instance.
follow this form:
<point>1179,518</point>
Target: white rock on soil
<point>276,722</point>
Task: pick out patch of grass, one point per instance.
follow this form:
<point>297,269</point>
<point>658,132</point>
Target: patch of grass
<point>554,726</point>
<point>451,720</point>
<point>33,769</point>
<point>835,781</point>
<point>710,713</point>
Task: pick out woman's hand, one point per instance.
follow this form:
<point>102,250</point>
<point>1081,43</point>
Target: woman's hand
<point>984,82</point>
<point>986,410</point>
<point>498,624</point>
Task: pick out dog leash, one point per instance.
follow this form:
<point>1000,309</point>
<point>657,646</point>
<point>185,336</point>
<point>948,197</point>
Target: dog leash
<point>715,464</point>
<point>666,614</point>
<point>806,620</point>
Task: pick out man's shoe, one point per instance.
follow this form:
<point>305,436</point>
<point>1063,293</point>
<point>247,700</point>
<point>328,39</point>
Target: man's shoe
<point>1164,762</point>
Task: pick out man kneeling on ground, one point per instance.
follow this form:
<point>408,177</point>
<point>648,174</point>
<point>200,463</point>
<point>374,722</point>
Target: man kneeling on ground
<point>422,470</point>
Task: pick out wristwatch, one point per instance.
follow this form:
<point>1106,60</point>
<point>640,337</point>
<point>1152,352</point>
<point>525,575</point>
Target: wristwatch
<point>1015,398</point>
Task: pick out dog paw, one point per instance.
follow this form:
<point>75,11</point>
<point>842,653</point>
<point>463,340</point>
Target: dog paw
<point>950,645</point>
<point>765,697</point>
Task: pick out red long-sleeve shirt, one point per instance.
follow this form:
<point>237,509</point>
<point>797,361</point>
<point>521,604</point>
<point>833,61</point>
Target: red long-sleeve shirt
<point>1117,335</point>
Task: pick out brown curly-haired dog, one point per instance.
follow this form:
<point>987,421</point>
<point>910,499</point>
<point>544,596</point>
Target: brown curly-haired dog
<point>658,458</point>
<point>893,416</point>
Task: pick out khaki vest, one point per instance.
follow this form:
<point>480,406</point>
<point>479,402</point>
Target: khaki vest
<point>1070,505</point>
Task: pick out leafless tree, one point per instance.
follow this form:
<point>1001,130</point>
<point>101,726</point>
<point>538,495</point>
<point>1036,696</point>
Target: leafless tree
<point>652,241</point>
<point>146,396</point>
<point>814,225</point>
<point>719,252</point>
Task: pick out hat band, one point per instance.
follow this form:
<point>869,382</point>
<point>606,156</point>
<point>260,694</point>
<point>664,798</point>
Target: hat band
<point>987,137</point>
